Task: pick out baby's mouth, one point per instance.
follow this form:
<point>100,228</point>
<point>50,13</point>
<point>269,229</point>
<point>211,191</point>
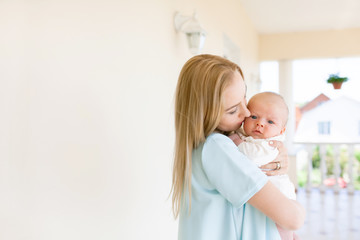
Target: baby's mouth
<point>257,132</point>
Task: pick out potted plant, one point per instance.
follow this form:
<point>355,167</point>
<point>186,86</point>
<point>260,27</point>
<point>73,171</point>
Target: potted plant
<point>336,80</point>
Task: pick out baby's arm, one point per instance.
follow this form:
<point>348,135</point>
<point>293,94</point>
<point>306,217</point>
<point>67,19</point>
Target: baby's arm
<point>236,139</point>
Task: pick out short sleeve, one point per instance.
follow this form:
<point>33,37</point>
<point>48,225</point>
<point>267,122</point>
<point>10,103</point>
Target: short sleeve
<point>231,173</point>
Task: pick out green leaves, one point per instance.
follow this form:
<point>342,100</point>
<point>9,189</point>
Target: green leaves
<point>336,78</point>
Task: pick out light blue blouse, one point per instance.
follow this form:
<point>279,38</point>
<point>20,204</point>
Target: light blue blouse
<point>223,180</point>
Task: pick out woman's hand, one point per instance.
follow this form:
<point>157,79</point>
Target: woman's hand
<point>281,164</point>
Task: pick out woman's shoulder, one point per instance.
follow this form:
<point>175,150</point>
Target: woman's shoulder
<point>217,143</point>
<point>217,137</point>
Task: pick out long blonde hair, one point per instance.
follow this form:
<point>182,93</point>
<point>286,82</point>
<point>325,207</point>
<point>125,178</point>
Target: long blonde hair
<point>198,109</point>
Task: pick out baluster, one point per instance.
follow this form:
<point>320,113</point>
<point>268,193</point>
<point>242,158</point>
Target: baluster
<point>351,151</point>
<point>337,166</point>
<point>322,153</point>
<point>310,150</point>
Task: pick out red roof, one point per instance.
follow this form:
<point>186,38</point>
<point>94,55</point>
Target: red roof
<point>310,105</point>
<point>314,103</point>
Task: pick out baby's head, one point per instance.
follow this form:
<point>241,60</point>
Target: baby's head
<point>269,114</point>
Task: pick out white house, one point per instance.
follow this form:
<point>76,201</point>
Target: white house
<point>334,121</point>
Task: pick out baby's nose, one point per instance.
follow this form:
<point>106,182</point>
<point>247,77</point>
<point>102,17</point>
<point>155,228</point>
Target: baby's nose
<point>260,124</point>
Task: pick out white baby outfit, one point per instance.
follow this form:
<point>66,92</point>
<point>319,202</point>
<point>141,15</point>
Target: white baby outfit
<point>259,151</point>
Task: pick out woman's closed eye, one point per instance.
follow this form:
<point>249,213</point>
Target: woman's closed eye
<point>233,111</point>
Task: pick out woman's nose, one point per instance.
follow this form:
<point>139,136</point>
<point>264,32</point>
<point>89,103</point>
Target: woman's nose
<point>245,112</point>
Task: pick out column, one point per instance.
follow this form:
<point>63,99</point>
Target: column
<point>286,90</point>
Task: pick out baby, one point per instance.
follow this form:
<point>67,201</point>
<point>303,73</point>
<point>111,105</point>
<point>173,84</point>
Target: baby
<point>269,114</point>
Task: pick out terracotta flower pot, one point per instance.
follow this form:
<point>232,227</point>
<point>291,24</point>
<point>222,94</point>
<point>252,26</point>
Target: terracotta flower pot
<point>337,85</point>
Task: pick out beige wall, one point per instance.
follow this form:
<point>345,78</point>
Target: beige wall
<point>228,17</point>
<point>325,44</point>
<point>86,106</point>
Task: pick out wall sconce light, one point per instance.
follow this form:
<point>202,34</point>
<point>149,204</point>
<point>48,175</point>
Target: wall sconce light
<point>195,33</point>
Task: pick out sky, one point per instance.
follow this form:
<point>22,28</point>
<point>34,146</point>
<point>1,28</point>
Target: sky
<point>310,77</point>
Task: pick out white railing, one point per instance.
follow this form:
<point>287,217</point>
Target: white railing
<point>347,148</point>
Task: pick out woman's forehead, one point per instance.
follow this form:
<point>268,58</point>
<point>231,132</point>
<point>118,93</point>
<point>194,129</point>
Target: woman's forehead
<point>235,91</point>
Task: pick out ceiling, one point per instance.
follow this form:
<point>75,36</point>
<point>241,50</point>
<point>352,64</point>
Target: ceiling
<point>281,16</point>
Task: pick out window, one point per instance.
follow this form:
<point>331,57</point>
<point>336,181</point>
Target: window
<point>324,128</point>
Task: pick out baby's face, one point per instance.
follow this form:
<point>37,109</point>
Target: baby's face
<point>267,118</point>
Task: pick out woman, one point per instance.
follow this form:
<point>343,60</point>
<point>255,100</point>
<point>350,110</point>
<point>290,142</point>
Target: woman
<point>217,191</point>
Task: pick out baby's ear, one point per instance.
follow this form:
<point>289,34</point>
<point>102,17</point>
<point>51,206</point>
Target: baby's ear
<point>282,130</point>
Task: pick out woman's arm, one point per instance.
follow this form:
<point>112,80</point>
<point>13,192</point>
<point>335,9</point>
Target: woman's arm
<point>219,155</point>
<point>289,214</point>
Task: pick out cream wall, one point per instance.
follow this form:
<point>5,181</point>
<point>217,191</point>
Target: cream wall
<point>322,44</point>
<point>226,17</point>
<point>86,106</point>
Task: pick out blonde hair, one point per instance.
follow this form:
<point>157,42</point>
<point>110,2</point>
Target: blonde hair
<point>198,109</point>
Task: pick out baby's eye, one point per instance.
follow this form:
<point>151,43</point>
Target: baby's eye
<point>271,122</point>
<point>253,117</point>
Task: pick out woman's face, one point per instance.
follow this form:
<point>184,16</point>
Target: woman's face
<point>234,104</point>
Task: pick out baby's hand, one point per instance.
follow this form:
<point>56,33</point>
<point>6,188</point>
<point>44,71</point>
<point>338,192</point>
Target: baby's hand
<point>236,138</point>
